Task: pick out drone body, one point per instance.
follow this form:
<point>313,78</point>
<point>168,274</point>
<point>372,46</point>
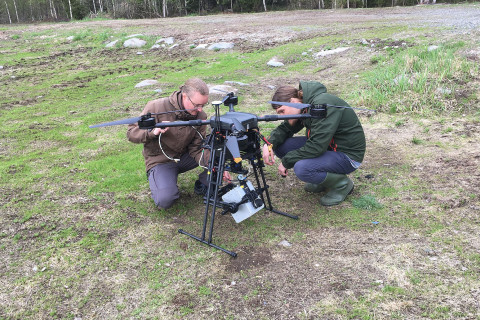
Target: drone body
<point>235,136</point>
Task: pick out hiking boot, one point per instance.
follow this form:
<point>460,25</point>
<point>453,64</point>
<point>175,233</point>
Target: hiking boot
<point>339,186</point>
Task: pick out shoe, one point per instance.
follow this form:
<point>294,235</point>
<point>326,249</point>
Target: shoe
<point>200,188</point>
<point>339,186</point>
<point>314,187</point>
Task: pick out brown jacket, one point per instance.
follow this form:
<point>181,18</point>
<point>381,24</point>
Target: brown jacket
<point>176,141</point>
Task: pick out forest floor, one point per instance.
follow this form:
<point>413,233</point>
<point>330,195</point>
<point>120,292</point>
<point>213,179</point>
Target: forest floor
<point>415,256</point>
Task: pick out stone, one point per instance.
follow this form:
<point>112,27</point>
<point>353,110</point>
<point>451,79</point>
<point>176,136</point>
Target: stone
<point>432,48</point>
<point>146,83</point>
<point>333,51</point>
<point>201,46</point>
<point>284,243</point>
<point>275,63</point>
<point>237,83</point>
<point>169,40</point>
<point>221,90</point>
<point>111,44</point>
<point>134,43</point>
<point>134,35</point>
<point>221,46</point>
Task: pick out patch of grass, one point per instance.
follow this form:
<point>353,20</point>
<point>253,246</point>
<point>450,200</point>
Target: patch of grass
<point>416,140</point>
<point>367,202</point>
<point>407,81</point>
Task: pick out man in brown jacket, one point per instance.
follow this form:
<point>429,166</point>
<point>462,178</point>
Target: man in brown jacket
<point>174,150</point>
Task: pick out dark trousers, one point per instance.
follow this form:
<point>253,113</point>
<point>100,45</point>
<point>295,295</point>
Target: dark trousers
<point>163,180</point>
<point>315,170</point>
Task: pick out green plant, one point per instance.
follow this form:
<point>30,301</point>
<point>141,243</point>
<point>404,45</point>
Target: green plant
<point>366,202</point>
<point>416,140</point>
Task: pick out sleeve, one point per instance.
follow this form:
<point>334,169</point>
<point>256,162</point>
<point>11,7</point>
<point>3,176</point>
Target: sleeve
<point>321,134</point>
<point>137,135</point>
<point>283,132</point>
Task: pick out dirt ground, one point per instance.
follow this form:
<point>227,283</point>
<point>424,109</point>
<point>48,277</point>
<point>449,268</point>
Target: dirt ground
<point>263,29</point>
<point>326,267</point>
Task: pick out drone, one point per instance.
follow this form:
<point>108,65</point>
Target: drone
<point>235,136</point>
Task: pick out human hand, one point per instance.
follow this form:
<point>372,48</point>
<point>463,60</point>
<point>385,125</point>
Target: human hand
<point>268,155</point>
<point>157,131</point>
<point>281,170</point>
<point>226,176</point>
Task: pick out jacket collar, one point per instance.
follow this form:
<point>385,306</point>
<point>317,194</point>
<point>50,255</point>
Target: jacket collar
<point>176,101</point>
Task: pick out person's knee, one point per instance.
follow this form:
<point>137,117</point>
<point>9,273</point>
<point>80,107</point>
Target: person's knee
<point>164,200</point>
<point>301,171</point>
<point>305,173</point>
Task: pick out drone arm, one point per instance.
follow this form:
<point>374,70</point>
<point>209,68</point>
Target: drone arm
<point>137,135</point>
<point>285,117</point>
<point>190,123</point>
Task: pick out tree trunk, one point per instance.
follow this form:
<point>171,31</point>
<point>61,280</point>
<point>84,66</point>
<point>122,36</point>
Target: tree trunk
<point>70,8</point>
<point>31,10</point>
<point>8,12</point>
<point>348,4</point>
<point>113,8</point>
<point>16,11</point>
<point>164,8</point>
<point>264,6</point>
<point>94,6</point>
<point>53,13</point>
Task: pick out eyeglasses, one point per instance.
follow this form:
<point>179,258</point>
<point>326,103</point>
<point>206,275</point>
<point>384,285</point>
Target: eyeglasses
<point>194,104</point>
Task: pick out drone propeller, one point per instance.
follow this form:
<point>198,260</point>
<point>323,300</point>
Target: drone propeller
<point>118,122</point>
<point>232,146</point>
<point>136,119</point>
<point>237,125</point>
<point>291,104</point>
<point>304,105</point>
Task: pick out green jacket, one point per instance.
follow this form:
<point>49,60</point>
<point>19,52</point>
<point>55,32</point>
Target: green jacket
<point>339,131</point>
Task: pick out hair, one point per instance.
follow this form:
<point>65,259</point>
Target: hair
<point>284,94</point>
<point>195,85</point>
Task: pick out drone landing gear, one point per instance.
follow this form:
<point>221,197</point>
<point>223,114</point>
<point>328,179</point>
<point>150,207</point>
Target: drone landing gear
<point>214,192</point>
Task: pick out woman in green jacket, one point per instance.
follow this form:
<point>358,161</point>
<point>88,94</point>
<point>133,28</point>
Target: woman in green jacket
<point>332,147</point>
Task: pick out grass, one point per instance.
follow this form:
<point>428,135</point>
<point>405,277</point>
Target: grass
<point>419,80</point>
<point>80,235</point>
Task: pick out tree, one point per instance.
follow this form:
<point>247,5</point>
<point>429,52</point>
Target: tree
<point>8,12</point>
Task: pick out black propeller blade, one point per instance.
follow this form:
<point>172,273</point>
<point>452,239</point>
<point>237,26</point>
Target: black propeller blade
<point>237,125</point>
<point>304,105</point>
<point>118,122</point>
<point>232,146</point>
<point>291,104</point>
